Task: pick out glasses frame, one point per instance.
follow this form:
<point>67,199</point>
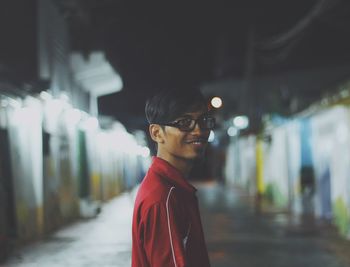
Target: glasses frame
<point>198,121</point>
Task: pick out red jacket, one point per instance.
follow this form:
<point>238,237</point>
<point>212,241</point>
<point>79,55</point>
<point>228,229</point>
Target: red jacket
<point>166,229</point>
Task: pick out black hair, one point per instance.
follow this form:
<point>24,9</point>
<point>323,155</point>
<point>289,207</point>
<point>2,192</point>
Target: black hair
<point>167,105</point>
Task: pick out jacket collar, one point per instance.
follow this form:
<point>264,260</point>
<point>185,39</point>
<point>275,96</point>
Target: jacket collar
<point>166,170</point>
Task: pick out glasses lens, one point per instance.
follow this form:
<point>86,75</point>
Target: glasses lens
<point>188,124</point>
<point>185,124</point>
<point>207,123</point>
<point>211,123</point>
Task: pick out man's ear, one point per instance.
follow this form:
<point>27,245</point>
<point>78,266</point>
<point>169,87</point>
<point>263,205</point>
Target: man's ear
<point>156,132</point>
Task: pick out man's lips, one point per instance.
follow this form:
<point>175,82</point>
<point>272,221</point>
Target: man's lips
<point>197,141</point>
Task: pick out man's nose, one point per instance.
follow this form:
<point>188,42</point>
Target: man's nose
<point>198,129</point>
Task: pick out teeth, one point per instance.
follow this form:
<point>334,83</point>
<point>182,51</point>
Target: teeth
<point>197,142</point>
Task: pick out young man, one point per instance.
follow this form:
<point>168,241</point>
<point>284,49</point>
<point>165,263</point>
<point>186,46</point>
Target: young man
<point>167,229</point>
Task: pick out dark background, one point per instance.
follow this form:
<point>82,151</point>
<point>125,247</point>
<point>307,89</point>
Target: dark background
<point>260,56</point>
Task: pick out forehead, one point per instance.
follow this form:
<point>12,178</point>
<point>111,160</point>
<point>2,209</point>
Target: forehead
<point>187,110</point>
<point>194,114</point>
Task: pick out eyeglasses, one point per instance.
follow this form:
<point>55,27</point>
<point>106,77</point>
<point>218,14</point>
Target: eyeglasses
<point>188,124</point>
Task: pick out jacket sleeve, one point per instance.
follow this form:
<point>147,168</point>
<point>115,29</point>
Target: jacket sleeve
<point>163,238</point>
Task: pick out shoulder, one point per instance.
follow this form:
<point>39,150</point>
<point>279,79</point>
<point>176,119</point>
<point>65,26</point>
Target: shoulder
<point>156,191</point>
<point>162,208</point>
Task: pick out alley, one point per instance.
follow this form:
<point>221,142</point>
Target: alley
<point>252,96</point>
<point>240,236</point>
<point>103,241</point>
<point>237,235</point>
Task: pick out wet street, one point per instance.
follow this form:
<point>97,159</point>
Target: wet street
<point>237,234</point>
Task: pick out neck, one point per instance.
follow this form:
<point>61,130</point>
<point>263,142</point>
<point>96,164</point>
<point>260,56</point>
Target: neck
<point>181,164</point>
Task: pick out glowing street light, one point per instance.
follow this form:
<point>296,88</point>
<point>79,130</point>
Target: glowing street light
<point>45,95</point>
<point>232,131</point>
<point>241,122</point>
<point>90,124</point>
<point>73,116</point>
<point>216,102</point>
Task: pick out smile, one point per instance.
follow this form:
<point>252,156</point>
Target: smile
<point>197,142</point>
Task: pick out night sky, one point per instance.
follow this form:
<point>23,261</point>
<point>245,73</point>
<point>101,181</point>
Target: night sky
<point>161,45</point>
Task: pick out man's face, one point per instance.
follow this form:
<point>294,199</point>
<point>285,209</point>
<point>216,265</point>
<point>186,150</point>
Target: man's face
<point>187,145</point>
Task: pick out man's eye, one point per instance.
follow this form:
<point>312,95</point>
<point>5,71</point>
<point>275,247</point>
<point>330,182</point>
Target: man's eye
<point>184,122</point>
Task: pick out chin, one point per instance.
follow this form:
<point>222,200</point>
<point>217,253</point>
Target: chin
<point>195,156</point>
